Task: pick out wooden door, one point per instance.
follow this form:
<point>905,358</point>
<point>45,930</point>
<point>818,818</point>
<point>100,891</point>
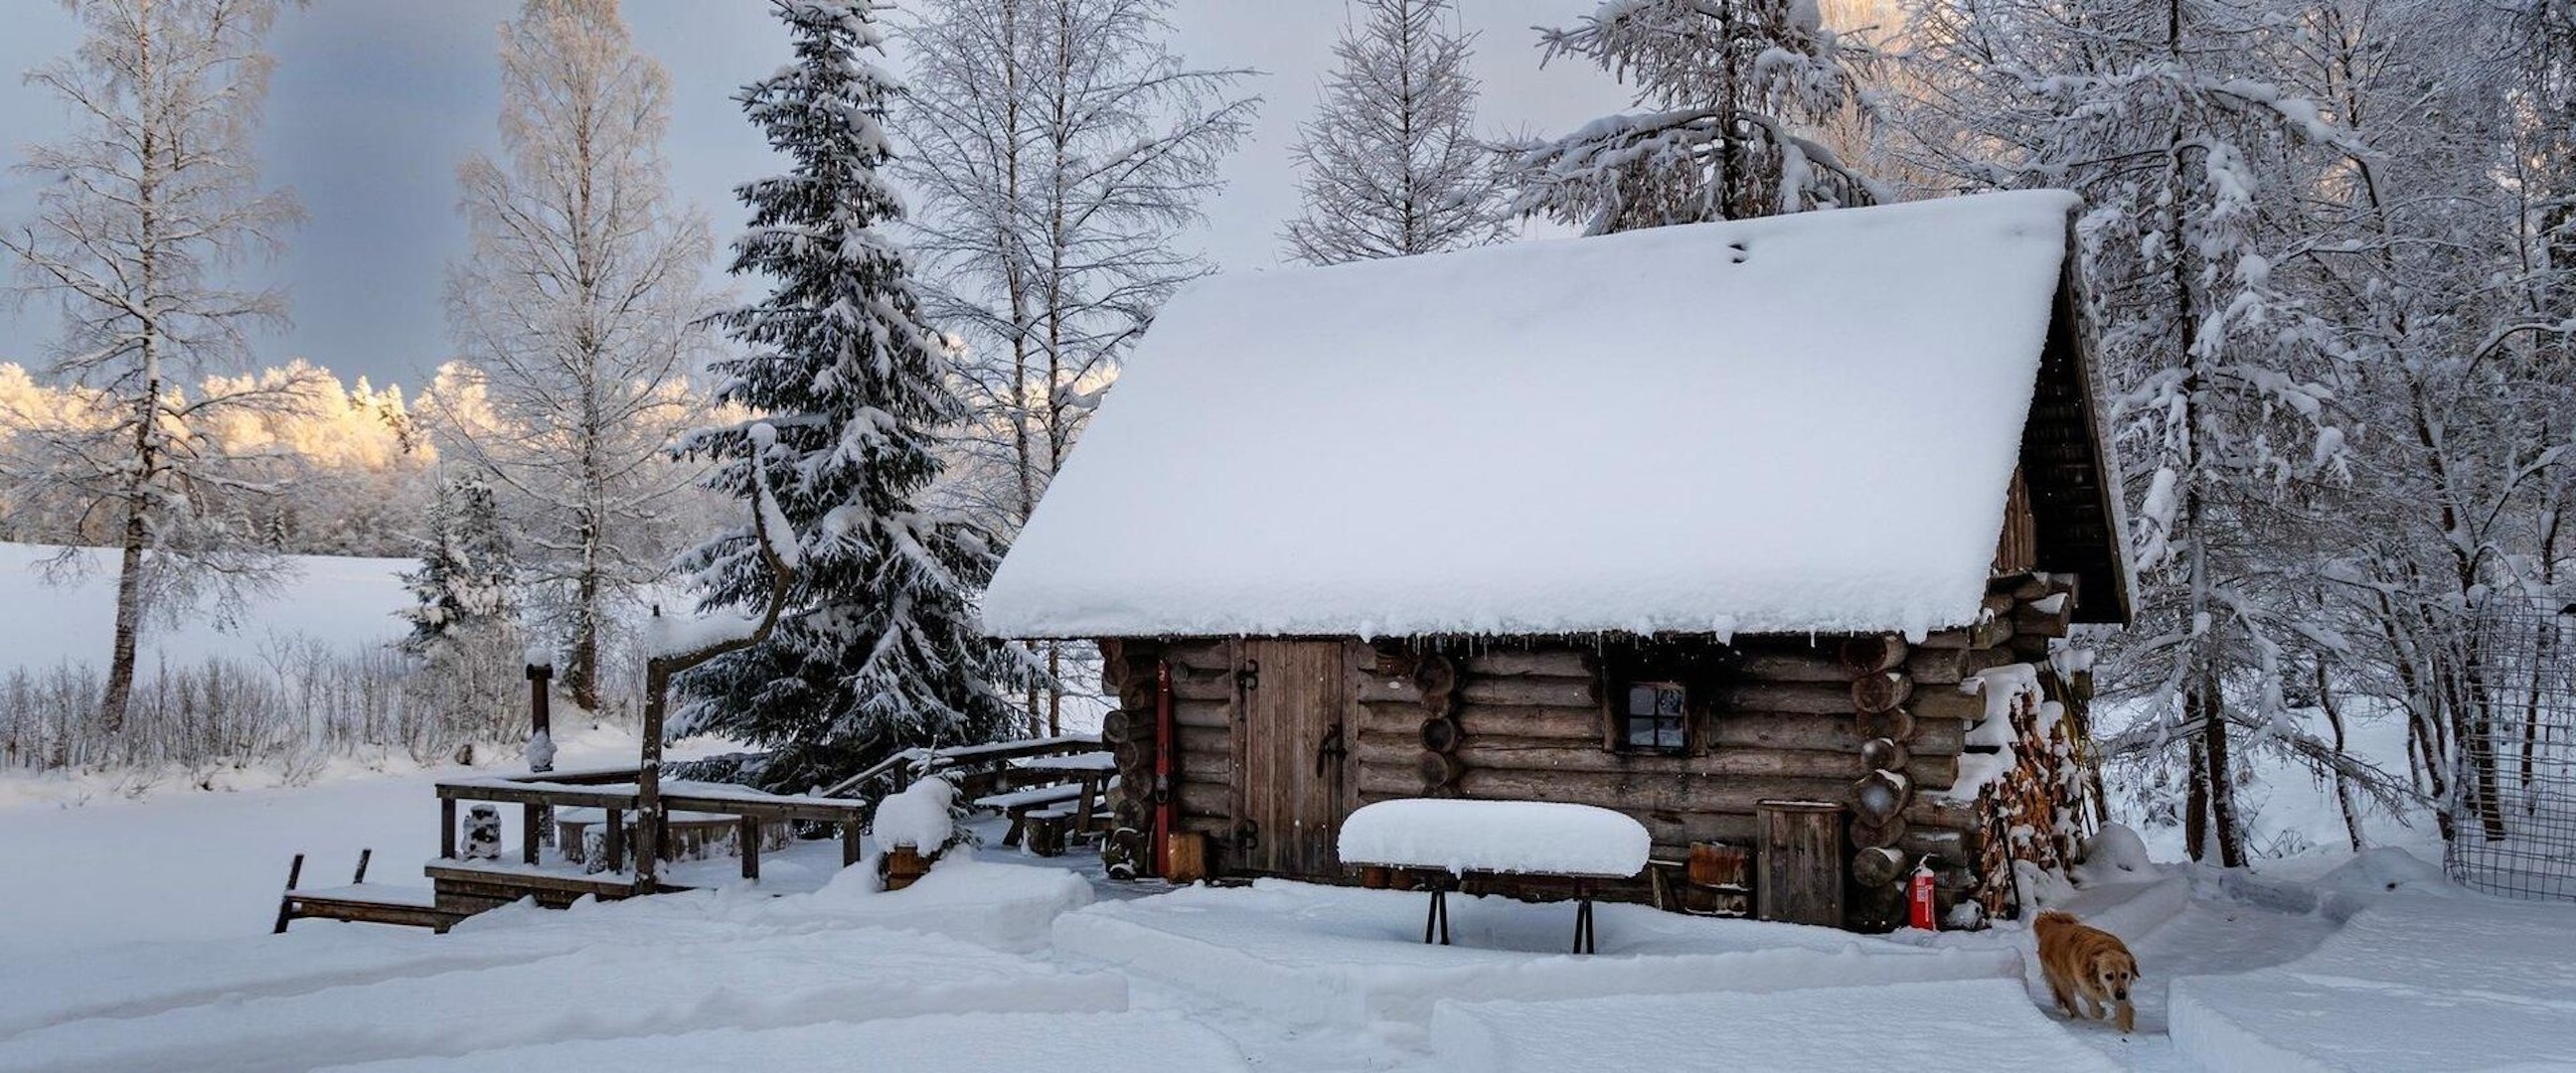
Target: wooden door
<point>1293,762</point>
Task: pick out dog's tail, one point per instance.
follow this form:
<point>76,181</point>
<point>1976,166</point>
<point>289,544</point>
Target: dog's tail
<point>2055,918</point>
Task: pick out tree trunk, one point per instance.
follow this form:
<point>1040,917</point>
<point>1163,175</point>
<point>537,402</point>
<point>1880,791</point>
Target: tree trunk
<point>129,623</point>
<point>2221,779</point>
<point>2342,785</point>
<point>2195,803</point>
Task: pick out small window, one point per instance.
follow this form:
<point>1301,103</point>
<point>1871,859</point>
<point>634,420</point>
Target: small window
<point>1657,694</point>
<point>1656,718</point>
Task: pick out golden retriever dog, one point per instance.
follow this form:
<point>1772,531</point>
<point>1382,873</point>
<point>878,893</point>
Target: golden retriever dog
<point>2086,962</point>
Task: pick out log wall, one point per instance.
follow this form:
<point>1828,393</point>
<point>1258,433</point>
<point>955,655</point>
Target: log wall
<point>1871,722</point>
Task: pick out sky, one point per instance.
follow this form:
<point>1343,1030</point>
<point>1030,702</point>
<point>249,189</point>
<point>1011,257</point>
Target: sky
<point>375,102</point>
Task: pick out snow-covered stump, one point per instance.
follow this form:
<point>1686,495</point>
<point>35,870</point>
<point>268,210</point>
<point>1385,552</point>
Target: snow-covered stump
<point>915,826</point>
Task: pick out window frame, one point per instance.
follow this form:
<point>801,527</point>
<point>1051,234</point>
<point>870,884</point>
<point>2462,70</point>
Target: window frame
<point>1699,668</point>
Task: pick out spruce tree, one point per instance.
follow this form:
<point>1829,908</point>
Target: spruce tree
<point>878,648</point>
<point>1732,95</point>
<point>463,584</point>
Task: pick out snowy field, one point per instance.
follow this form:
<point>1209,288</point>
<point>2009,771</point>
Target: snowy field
<point>339,601</point>
<point>136,939</point>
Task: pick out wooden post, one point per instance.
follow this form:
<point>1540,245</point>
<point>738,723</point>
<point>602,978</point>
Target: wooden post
<point>849,842</point>
<point>446,828</point>
<point>361,877</point>
<point>657,683</point>
<point>286,900</point>
<point>615,837</point>
<point>747,843</point>
<point>1799,873</point>
<point>540,717</point>
<point>648,774</point>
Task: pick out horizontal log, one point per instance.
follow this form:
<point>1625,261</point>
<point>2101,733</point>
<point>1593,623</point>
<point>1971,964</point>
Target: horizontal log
<point>1204,798</point>
<point>1791,667</point>
<point>1527,691</point>
<point>1878,866</point>
<point>1946,703</point>
<point>1203,714</point>
<point>1207,686</point>
<point>1985,634</point>
<point>1585,724</point>
<point>2029,620</point>
<point>1488,752</point>
<point>2024,585</point>
<point>1882,692</point>
<point>1889,833</point>
<point>1629,792</point>
<point>1191,738</point>
<point>1872,653</point>
<point>1927,811</point>
<point>1937,666</point>
<point>1880,795</point>
<point>1795,699</point>
<point>1551,663</point>
<point>1218,766</point>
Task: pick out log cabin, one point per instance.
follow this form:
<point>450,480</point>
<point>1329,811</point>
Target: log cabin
<point>1719,525</point>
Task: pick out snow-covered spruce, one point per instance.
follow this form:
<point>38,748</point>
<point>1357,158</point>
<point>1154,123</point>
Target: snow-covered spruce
<point>878,648</point>
<point>1733,91</point>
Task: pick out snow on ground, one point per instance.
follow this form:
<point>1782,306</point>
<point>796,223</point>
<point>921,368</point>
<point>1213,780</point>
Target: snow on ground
<point>1312,955</point>
<point>713,962</point>
<point>342,602</point>
<point>1971,1024</point>
<point>1051,1042</point>
<point>135,940</point>
<point>190,865</point>
<point>2428,978</point>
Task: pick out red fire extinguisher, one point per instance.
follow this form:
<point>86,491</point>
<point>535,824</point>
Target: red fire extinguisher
<point>1918,897</point>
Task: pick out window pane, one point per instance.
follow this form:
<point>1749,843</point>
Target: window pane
<point>1668,735</point>
<point>1668,702</point>
<point>1641,700</point>
<point>1641,732</point>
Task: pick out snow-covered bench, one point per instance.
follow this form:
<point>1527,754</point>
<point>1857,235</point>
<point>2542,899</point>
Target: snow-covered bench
<point>1453,837</point>
<point>1047,805</point>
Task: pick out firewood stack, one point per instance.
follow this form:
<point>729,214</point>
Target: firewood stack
<point>2036,810</point>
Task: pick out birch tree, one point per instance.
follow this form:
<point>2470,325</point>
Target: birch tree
<point>876,648</point>
<point>1731,96</point>
<point>577,316</point>
<point>141,214</point>
<point>1392,163</point>
<point>1061,146</point>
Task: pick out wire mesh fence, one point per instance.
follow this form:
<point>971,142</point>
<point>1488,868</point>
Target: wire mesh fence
<point>2512,796</point>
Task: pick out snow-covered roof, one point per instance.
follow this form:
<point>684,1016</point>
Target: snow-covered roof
<point>1803,423</point>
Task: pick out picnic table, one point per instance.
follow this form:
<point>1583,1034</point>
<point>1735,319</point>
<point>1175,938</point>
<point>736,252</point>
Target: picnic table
<point>1071,787</point>
<point>1451,837</point>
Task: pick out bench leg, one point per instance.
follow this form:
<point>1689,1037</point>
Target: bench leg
<point>1439,917</point>
<point>1585,941</point>
<point>1019,820</point>
<point>286,901</point>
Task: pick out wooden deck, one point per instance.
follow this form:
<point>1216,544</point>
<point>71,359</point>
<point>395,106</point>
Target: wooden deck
<point>721,817</point>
